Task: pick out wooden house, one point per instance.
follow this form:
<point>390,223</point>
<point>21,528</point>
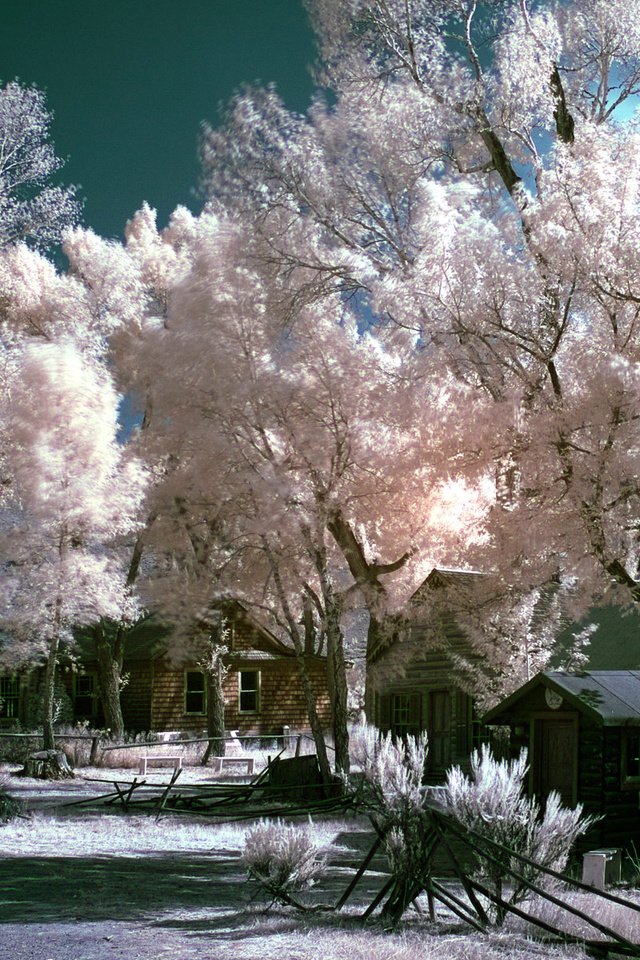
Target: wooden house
<point>582,733</point>
<point>413,676</point>
<point>410,685</point>
<point>263,687</point>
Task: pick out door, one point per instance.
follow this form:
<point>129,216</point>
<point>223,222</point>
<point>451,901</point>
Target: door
<point>554,760</point>
<point>439,731</point>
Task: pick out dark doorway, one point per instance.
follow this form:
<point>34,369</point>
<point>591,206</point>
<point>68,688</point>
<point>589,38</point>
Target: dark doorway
<point>439,731</point>
<point>554,759</point>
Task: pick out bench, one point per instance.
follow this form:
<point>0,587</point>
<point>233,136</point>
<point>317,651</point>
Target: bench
<point>221,762</point>
<point>161,761</point>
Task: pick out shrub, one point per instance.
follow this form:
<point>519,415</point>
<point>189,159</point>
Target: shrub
<point>492,803</point>
<point>9,806</point>
<point>282,859</point>
<point>393,792</point>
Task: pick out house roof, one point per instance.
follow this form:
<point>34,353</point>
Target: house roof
<point>255,654</point>
<point>610,697</point>
<point>150,638</point>
<point>446,577</point>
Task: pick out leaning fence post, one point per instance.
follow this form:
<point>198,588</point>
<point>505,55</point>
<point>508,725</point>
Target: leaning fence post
<point>94,750</point>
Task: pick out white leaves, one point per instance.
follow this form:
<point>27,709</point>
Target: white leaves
<point>29,210</point>
<point>71,491</point>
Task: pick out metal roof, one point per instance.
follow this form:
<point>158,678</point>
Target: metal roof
<point>611,697</point>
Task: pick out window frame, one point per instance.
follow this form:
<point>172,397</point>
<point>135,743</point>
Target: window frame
<point>10,697</point>
<point>257,690</point>
<point>405,713</point>
<point>93,695</point>
<point>629,781</point>
<point>187,691</point>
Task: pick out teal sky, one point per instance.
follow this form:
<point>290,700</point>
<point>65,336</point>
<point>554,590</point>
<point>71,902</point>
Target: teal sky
<point>130,81</point>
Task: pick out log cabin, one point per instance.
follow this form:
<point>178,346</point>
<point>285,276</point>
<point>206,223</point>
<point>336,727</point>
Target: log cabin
<point>582,734</point>
<point>410,686</point>
<point>413,674</point>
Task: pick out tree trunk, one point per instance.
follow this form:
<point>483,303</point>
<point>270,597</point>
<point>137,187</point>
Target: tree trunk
<point>110,648</point>
<point>367,575</point>
<point>47,765</point>
<point>48,694</point>
<point>314,720</point>
<point>110,679</point>
<point>298,644</point>
<point>338,692</point>
<point>215,712</point>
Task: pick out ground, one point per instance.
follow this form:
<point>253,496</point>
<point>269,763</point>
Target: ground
<point>78,883</point>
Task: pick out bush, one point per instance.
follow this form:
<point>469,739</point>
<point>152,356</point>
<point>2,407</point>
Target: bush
<point>393,792</point>
<point>492,803</point>
<point>9,806</point>
<point>282,859</point>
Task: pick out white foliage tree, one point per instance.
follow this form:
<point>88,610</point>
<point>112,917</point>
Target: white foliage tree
<point>72,493</point>
<point>471,183</point>
<point>31,209</point>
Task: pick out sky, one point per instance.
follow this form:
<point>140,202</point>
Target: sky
<point>130,81</point>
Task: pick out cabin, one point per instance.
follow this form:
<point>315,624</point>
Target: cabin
<point>409,679</point>
<point>414,676</point>
<point>263,687</point>
<point>582,733</point>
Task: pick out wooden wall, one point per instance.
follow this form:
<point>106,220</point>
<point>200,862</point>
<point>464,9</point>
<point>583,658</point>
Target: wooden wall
<point>281,698</point>
<point>136,696</point>
<point>425,675</point>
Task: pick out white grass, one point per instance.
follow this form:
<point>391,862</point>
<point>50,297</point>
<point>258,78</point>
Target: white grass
<point>623,920</point>
<point>281,934</point>
<point>77,835</point>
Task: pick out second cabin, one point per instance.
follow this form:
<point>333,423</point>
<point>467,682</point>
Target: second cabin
<point>582,734</point>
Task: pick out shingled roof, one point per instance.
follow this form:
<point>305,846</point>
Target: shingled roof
<point>611,697</point>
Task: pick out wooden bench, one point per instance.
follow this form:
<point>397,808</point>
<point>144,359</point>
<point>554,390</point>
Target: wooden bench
<point>221,762</point>
<point>161,761</point>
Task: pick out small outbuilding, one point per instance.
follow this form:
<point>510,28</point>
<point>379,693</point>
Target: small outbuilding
<point>582,732</point>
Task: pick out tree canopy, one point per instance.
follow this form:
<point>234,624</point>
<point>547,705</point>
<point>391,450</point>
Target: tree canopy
<point>402,332</point>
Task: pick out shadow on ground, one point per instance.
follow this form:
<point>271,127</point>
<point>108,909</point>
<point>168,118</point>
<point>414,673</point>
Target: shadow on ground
<point>59,889</point>
<point>38,889</point>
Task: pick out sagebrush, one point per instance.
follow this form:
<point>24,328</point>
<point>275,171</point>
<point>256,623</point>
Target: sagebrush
<point>282,859</point>
<point>492,803</point>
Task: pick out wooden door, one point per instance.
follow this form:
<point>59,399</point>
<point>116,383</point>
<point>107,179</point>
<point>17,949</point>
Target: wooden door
<point>439,731</point>
<point>555,758</point>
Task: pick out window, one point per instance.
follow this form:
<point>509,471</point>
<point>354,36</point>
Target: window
<point>249,691</point>
<point>439,729</point>
<point>406,710</point>
<point>631,758</point>
<point>195,692</point>
<point>9,698</point>
<point>84,695</point>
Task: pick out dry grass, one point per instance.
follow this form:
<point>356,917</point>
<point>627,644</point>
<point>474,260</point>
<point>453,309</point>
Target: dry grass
<point>92,832</point>
<point>623,920</point>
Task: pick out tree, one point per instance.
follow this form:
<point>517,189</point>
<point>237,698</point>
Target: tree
<point>471,183</point>
<point>30,209</point>
<point>87,306</point>
<point>72,492</point>
<point>273,437</point>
